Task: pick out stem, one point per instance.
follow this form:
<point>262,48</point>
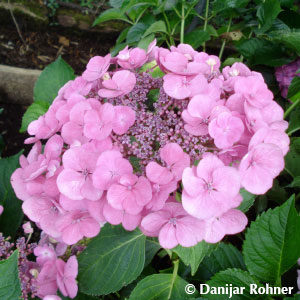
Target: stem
<point>206,20</point>
<point>174,275</point>
<point>182,24</point>
<point>291,108</point>
<point>224,41</point>
<point>169,28</point>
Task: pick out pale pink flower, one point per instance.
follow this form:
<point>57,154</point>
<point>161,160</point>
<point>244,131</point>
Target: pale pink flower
<point>185,49</point>
<point>1,209</point>
<point>197,115</point>
<point>117,216</point>
<point>75,225</point>
<point>66,276</point>
<point>226,130</point>
<point>181,87</point>
<point>131,58</point>
<point>130,194</point>
<point>96,67</point>
<point>231,222</point>
<point>121,83</point>
<point>98,124</point>
<point>27,228</point>
<point>46,280</point>
<point>109,168</point>
<point>124,119</point>
<point>44,253</point>
<point>51,297</point>
<point>173,226</point>
<point>209,190</point>
<point>260,166</point>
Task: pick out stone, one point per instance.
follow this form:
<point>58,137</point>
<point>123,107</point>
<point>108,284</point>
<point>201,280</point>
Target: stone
<point>17,84</point>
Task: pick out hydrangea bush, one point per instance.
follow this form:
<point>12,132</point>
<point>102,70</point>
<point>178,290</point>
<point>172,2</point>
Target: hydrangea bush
<point>160,140</point>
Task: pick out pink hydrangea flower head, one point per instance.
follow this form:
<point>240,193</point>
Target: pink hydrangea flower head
<point>1,210</point>
<point>66,276</point>
<point>174,226</point>
<point>121,83</point>
<point>209,190</point>
<point>260,166</point>
<point>96,67</point>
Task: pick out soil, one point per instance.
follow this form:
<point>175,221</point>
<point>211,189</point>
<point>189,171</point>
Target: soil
<point>43,47</point>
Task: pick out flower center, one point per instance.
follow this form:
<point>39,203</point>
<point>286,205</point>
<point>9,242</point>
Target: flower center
<point>173,221</point>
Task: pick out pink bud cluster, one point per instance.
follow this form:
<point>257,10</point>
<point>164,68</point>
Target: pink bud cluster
<point>285,74</point>
<point>210,134</point>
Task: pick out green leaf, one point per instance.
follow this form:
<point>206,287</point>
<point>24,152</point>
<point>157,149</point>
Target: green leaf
<point>290,39</point>
<point>287,3</point>
<point>295,183</point>
<point>116,3</point>
<point>10,288</point>
<point>152,246</point>
<point>33,112</point>
<point>117,48</point>
<point>111,14</point>
<point>262,52</point>
<point>248,200</point>
<point>294,89</point>
<point>272,242</point>
<point>230,61</point>
<point>12,215</point>
<point>292,159</point>
<point>219,5</point>
<point>145,42</point>
<point>267,12</point>
<point>238,278</point>
<point>122,36</point>
<point>136,32</point>
<point>161,287</point>
<point>51,80</point>
<point>159,26</point>
<point>294,121</point>
<point>224,257</point>
<point>193,256</point>
<point>196,38</point>
<point>111,260</point>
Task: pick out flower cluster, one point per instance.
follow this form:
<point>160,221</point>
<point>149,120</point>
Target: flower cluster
<point>285,74</point>
<point>120,145</point>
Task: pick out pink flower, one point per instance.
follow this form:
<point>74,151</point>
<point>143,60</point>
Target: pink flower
<point>173,226</point>
<point>27,228</point>
<point>226,130</point>
<point>185,49</point>
<point>197,114</point>
<point>44,254</point>
<point>75,225</point>
<point>131,194</point>
<point>209,190</point>
<point>1,209</point>
<point>96,67</point>
<point>75,181</point>
<point>121,83</point>
<point>132,58</point>
<point>109,168</point>
<point>124,119</point>
<point>66,276</point>
<point>117,216</point>
<point>255,91</point>
<point>51,297</point>
<point>160,194</point>
<point>231,222</point>
<point>46,280</point>
<point>99,124</point>
<point>260,166</point>
<point>181,87</point>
